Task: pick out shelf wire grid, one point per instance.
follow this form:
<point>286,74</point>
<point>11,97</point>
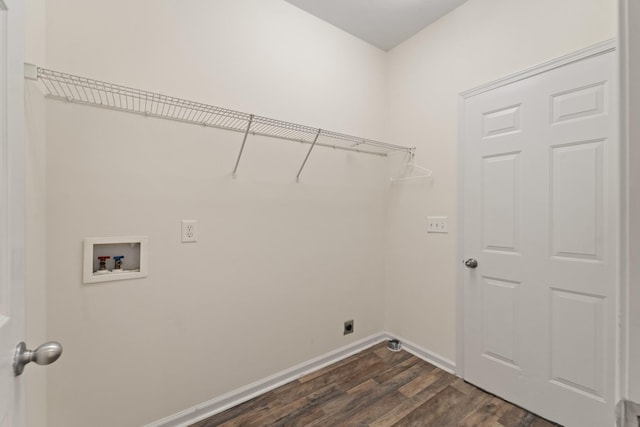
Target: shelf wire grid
<point>122,98</point>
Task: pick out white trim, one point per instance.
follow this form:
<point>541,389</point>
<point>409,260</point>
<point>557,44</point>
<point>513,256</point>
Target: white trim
<point>460,246</point>
<point>579,55</point>
<point>594,50</point>
<point>424,354</point>
<point>248,392</point>
<point>622,338</point>
<point>623,289</point>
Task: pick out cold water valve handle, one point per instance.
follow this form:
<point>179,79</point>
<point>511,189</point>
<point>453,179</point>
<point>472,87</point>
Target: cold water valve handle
<point>118,262</point>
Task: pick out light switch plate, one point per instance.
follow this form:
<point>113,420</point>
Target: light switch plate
<point>437,224</point>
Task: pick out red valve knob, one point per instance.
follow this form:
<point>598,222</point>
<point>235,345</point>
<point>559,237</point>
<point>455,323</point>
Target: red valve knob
<point>102,258</point>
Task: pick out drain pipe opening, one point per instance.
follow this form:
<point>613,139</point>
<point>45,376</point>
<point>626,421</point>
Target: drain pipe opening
<point>394,345</point>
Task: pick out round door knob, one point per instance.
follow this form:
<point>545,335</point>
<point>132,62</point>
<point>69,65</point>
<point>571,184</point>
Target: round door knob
<point>43,355</point>
<point>471,263</point>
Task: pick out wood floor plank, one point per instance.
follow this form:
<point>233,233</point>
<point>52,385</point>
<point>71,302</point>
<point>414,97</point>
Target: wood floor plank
<point>393,370</point>
<point>363,387</point>
<point>420,383</point>
<point>356,378</point>
<point>442,381</point>
<point>370,413</point>
<point>540,422</point>
<point>335,376</point>
<point>484,414</point>
<point>472,404</point>
<point>429,412</point>
<point>341,407</point>
<point>503,407</point>
<point>364,401</point>
<point>377,388</point>
<point>513,417</point>
<point>294,411</point>
<point>463,386</point>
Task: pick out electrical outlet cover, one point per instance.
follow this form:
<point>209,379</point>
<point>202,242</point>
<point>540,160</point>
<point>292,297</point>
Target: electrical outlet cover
<point>189,230</point>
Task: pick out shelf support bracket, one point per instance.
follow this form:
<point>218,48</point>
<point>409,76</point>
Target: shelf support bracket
<point>244,141</point>
<point>308,153</point>
<point>30,71</point>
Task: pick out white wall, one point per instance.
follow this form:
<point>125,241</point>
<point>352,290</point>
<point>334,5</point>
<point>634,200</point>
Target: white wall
<point>238,54</point>
<point>278,266</point>
<point>476,43</point>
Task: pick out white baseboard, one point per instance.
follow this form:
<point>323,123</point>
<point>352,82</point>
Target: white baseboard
<point>424,354</point>
<point>243,394</point>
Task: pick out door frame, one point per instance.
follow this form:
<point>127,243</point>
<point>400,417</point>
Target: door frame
<point>13,201</point>
<point>579,55</point>
<point>629,315</point>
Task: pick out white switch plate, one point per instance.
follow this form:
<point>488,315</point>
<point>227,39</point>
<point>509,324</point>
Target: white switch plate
<point>437,224</point>
<point>189,230</point>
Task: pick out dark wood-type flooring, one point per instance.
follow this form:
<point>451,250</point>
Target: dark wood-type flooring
<point>377,387</point>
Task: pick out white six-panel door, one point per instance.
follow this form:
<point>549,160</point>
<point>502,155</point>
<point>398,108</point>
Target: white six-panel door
<point>540,216</point>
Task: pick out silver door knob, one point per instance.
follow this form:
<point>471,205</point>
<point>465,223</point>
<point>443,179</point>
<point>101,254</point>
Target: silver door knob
<point>471,263</point>
<point>45,354</point>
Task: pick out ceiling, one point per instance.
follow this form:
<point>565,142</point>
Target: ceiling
<point>382,23</point>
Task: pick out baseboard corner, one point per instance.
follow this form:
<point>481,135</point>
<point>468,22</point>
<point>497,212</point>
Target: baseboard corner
<point>427,355</point>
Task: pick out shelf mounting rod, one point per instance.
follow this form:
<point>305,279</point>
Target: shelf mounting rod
<point>244,141</point>
<point>308,153</point>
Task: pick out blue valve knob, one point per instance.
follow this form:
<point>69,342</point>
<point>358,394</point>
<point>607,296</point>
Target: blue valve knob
<point>118,262</point>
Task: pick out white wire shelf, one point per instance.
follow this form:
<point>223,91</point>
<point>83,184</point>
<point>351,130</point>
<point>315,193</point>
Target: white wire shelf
<point>88,91</point>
